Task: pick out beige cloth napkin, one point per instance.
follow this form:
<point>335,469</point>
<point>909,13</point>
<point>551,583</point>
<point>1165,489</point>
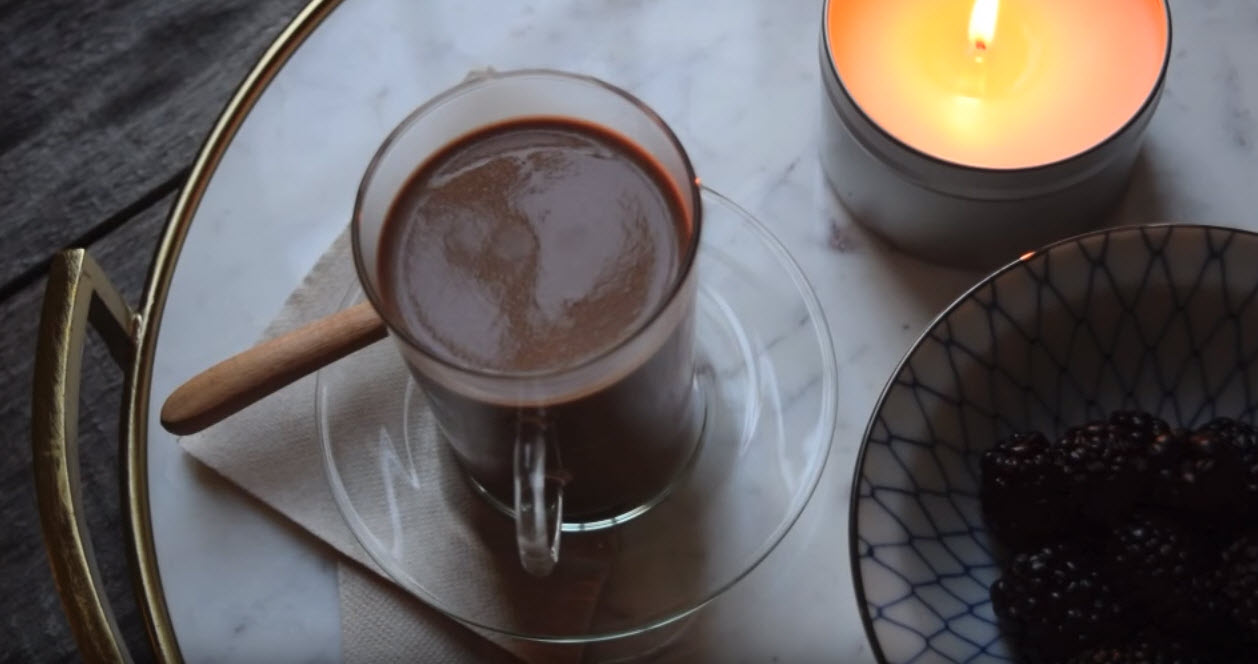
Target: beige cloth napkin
<point>272,451</point>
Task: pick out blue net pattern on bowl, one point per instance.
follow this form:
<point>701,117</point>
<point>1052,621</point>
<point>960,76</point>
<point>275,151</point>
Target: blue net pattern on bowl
<point>1162,318</point>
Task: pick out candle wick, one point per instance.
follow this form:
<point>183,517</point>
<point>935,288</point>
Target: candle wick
<point>979,53</point>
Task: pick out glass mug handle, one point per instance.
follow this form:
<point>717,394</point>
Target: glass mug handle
<point>537,518</point>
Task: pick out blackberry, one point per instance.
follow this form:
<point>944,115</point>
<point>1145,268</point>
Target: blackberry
<point>1103,465</point>
<point>1197,473</point>
<point>1145,649</point>
<point>1137,427</point>
<point>1166,570</point>
<point>1056,601</point>
<point>1242,436</point>
<point>1239,581</point>
<point>1022,493</point>
<point>1249,468</point>
<point>1244,439</point>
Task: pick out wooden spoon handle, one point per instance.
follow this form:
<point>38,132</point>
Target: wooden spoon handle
<point>245,378</point>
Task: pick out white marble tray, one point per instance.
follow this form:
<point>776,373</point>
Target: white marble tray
<point>738,81</point>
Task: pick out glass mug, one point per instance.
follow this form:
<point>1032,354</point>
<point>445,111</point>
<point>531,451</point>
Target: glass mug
<point>576,448</point>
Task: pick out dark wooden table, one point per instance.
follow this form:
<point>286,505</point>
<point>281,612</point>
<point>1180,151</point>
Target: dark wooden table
<point>103,105</point>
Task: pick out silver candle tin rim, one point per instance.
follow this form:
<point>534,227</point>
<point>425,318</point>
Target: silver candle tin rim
<point>981,183</point>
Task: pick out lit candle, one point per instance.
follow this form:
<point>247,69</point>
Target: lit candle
<point>997,86</point>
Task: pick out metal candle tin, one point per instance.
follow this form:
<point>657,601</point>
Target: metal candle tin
<point>961,215</point>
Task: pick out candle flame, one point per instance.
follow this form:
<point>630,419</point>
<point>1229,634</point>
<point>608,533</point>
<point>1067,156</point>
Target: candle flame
<point>983,23</point>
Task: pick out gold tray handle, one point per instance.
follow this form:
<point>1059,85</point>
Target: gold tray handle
<point>78,293</point>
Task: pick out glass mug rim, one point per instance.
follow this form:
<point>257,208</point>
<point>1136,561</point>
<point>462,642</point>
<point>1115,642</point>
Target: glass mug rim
<point>478,80</point>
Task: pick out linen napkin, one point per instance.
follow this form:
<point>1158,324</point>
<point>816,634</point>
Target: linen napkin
<point>272,451</point>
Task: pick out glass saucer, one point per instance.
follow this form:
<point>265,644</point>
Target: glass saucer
<point>767,372</point>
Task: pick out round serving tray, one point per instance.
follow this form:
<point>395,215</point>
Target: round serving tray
<point>273,185</point>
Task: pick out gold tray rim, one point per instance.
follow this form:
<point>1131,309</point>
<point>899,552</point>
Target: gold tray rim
<point>146,575</point>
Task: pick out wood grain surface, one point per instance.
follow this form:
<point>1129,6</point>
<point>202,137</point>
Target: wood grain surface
<point>103,105</point>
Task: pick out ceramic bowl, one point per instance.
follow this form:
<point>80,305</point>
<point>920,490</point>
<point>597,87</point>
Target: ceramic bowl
<point>1158,318</point>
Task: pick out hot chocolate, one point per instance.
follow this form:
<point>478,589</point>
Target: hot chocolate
<point>533,247</point>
